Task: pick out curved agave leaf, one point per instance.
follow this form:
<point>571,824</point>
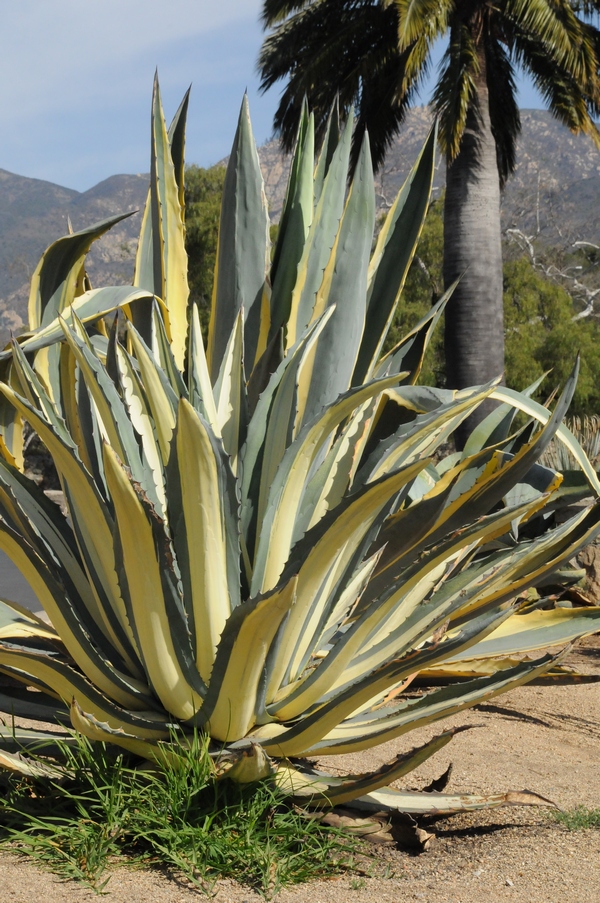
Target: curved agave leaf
<point>88,307</point>
<point>92,525</point>
<point>286,492</point>
<point>241,655</point>
<point>205,532</point>
<point>144,264</point>
<point>392,257</point>
<point>330,142</point>
<point>413,802</point>
<point>75,407</point>
<point>27,509</point>
<point>480,667</point>
<point>272,429</point>
<point>200,388</point>
<point>321,239</point>
<point>161,399</point>
<point>102,668</point>
<point>336,475</point>
<point>274,415</point>
<point>320,722</point>
<point>329,790</point>
<point>535,630</point>
<point>177,145</point>
<point>294,224</point>
<point>164,352</point>
<point>564,435</point>
<point>230,395</point>
<point>32,388</point>
<point>425,433</point>
<point>497,425</point>
<point>58,276</point>
<point>64,680</point>
<point>115,422</point>
<point>501,474</point>
<point>89,725</point>
<point>16,739</point>
<point>139,411</point>
<point>323,567</point>
<point>11,425</point>
<point>18,622</point>
<point>158,620</point>
<point>531,563</point>
<point>409,353</point>
<point>369,729</point>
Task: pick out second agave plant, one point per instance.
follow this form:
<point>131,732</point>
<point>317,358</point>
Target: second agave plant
<point>263,540</point>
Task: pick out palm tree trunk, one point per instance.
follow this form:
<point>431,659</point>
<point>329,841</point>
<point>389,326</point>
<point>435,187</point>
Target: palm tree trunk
<point>474,331</point>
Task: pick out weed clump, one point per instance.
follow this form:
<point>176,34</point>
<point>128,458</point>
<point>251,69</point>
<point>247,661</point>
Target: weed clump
<point>578,819</point>
<point>173,814</point>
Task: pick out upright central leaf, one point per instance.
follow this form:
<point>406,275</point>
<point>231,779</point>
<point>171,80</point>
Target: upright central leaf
<point>242,251</point>
<point>344,288</point>
<point>206,534</point>
<point>161,262</point>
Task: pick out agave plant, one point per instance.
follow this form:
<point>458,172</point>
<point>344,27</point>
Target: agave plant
<point>263,542</point>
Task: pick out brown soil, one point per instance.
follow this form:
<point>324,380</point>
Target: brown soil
<point>541,738</point>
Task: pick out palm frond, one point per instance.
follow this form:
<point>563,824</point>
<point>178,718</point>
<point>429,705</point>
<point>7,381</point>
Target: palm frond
<point>275,11</point>
<point>421,18</point>
<point>347,50</point>
<point>504,110</point>
<point>564,96</point>
<point>566,40</point>
<point>456,88</point>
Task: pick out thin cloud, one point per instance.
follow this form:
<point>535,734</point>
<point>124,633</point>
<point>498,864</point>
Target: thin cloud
<point>60,51</point>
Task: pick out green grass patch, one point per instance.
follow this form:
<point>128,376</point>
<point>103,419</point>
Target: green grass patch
<point>578,819</point>
<point>176,815</point>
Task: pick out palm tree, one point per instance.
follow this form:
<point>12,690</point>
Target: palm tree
<point>374,54</point>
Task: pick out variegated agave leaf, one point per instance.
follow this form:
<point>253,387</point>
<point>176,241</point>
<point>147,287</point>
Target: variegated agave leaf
<point>263,542</point>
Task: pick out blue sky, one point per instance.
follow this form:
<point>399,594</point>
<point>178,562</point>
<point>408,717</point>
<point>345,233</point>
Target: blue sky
<point>76,80</point>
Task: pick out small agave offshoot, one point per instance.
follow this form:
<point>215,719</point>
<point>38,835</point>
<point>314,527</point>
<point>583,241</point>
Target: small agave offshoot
<point>264,540</point>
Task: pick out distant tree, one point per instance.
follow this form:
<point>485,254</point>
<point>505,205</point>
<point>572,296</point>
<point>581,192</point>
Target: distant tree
<point>203,191</point>
<point>573,265</point>
<point>543,333</point>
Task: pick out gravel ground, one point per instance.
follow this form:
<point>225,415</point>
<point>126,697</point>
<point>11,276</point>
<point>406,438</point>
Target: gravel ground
<point>537,738</point>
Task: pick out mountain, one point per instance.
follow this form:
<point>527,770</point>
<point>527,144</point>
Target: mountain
<point>34,213</point>
<point>554,194</point>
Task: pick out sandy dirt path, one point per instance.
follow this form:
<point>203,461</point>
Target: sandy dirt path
<point>544,739</point>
